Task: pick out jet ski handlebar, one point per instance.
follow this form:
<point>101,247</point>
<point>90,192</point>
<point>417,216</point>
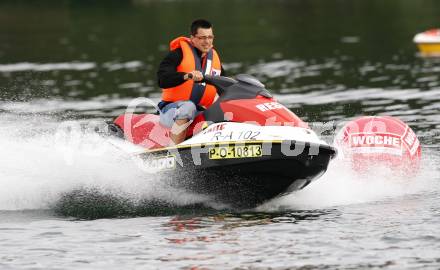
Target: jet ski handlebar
<point>216,80</point>
<point>224,82</point>
<point>206,78</point>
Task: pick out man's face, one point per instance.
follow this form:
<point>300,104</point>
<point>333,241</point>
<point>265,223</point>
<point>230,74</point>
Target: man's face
<point>203,40</point>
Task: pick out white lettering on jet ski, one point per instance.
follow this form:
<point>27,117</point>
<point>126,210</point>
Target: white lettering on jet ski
<point>160,163</point>
<point>269,106</point>
<point>376,139</point>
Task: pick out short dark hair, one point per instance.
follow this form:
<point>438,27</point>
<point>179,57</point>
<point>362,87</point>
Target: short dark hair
<point>200,23</point>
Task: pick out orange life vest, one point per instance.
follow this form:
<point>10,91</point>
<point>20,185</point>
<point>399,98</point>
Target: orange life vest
<point>200,93</point>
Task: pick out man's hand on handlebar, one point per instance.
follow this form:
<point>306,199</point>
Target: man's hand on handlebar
<point>195,75</point>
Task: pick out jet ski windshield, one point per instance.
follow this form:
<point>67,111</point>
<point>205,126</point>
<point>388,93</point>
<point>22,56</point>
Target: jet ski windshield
<point>243,87</point>
<point>220,82</point>
<point>246,78</point>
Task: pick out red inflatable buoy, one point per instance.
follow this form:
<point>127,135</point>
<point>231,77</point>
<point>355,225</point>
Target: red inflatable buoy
<point>373,141</point>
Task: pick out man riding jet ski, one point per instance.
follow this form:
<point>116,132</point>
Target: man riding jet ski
<point>243,150</point>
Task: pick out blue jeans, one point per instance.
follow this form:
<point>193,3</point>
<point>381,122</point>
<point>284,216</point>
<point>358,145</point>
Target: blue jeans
<point>177,111</point>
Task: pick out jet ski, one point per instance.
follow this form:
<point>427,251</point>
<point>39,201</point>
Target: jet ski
<point>245,149</point>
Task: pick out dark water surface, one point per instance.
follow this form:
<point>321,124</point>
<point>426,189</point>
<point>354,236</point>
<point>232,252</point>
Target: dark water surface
<point>82,62</point>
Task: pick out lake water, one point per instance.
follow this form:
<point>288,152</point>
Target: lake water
<point>78,63</point>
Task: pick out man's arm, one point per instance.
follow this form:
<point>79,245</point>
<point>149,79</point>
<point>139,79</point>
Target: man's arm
<point>167,75</point>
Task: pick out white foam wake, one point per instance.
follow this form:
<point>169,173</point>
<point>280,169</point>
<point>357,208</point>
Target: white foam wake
<point>341,185</point>
<point>43,158</point>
